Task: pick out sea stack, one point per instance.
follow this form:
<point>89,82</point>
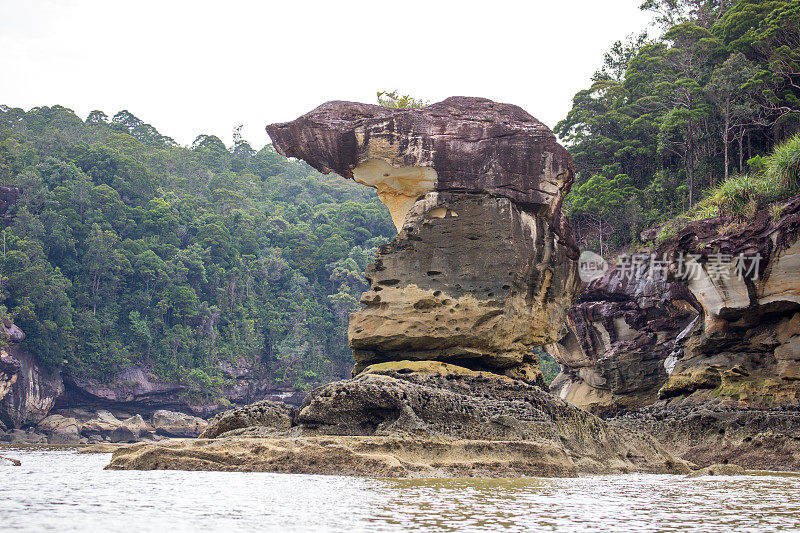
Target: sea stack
<point>483,269</point>
<point>484,264</point>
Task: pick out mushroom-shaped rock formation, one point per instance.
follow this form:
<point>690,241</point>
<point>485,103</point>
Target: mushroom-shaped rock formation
<point>484,265</point>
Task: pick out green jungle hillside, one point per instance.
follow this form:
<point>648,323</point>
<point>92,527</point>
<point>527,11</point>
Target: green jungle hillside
<point>129,249</point>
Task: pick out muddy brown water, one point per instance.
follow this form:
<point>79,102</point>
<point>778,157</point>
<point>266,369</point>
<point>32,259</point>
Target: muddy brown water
<point>59,490</point>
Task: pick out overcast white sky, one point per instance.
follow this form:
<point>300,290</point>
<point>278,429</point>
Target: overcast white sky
<point>192,67</point>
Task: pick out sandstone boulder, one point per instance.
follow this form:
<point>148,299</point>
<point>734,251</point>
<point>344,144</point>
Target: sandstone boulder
<point>60,429</point>
<point>483,267</point>
<point>175,424</point>
<point>99,425</point>
<point>719,470</point>
<point>276,416</point>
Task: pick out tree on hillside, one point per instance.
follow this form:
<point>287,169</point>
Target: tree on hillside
<point>669,13</point>
<point>768,33</point>
<point>600,200</point>
<point>729,89</point>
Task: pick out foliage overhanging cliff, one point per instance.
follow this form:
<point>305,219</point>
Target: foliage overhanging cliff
<point>667,120</point>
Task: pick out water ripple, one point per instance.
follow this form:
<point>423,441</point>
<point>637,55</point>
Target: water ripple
<point>61,491</point>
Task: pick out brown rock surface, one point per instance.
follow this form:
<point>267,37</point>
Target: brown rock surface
<point>265,414</point>
<point>350,456</point>
<point>9,369</point>
<point>620,332</point>
<point>744,345</point>
<point>33,393</point>
<point>483,268</point>
<point>724,386</point>
<point>420,418</point>
<point>709,433</point>
<point>470,145</point>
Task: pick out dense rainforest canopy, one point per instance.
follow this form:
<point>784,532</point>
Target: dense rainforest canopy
<point>128,249</point>
<point>667,120</point>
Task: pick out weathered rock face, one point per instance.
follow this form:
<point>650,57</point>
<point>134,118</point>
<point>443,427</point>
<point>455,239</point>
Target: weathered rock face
<point>476,287</point>
<point>275,415</point>
<point>460,144</point>
<point>27,390</point>
<point>483,267</point>
<point>744,345</point>
<point>9,370</point>
<point>137,389</point>
<point>415,419</point>
<point>33,392</point>
<point>708,365</point>
<point>9,366</point>
<point>133,387</point>
<point>712,432</point>
<point>620,333</point>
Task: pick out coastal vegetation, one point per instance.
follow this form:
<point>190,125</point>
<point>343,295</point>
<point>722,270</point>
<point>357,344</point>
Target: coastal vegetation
<point>127,249</point>
<point>694,123</point>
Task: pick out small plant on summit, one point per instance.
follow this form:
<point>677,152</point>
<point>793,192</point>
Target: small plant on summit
<point>393,100</point>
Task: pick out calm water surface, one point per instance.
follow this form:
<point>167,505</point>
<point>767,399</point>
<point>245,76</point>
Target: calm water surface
<point>60,490</point>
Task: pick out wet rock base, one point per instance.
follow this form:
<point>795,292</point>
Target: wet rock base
<point>413,419</point>
<point>708,433</point>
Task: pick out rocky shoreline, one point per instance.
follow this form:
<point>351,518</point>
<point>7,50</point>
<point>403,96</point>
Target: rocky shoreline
<point>657,375</point>
<point>80,426</point>
<point>708,433</point>
<point>412,420</point>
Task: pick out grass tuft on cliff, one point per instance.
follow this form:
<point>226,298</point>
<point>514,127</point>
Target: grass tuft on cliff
<point>740,196</point>
<point>773,179</point>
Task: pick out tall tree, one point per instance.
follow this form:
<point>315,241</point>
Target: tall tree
<point>729,89</point>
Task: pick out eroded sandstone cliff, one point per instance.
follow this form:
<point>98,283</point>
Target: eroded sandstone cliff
<point>483,267</point>
<point>729,332</point>
<point>708,362</point>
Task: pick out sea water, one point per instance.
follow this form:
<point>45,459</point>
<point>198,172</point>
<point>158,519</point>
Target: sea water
<point>60,490</point>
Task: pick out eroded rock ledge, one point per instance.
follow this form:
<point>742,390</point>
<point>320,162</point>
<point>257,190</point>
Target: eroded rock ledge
<point>413,419</point>
<point>711,366</point>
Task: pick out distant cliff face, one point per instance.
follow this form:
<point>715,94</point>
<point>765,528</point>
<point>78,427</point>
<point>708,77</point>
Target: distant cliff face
<point>715,336</point>
<point>484,265</point>
<point>746,346</point>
